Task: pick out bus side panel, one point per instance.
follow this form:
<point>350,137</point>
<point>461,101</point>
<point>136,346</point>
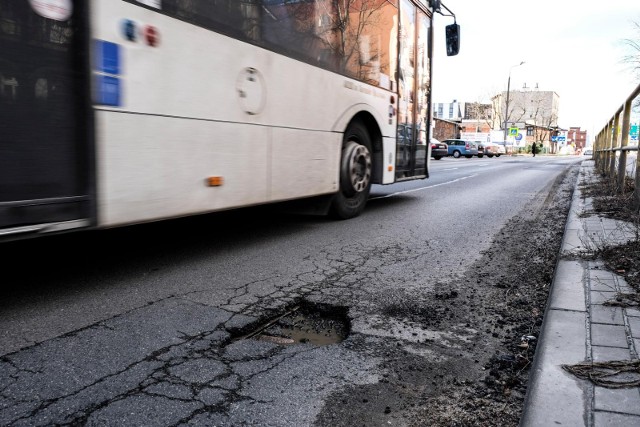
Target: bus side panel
<point>194,72</point>
<point>162,171</point>
<point>304,163</point>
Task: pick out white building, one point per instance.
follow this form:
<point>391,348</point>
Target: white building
<point>526,107</point>
<point>449,110</point>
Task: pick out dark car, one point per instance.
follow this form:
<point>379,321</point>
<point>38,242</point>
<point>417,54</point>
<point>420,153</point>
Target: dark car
<point>460,147</point>
<point>438,149</point>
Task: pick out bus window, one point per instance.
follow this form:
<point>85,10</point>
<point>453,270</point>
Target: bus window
<point>357,42</point>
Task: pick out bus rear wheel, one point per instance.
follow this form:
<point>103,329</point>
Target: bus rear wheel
<point>356,168</point>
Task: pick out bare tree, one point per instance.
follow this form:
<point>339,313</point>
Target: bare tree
<point>633,57</point>
<point>543,119</point>
<point>481,113</point>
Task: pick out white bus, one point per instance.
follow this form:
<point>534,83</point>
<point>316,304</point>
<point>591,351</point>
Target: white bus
<point>118,112</point>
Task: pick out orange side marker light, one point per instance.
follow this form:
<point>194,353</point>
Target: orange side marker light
<point>215,181</point>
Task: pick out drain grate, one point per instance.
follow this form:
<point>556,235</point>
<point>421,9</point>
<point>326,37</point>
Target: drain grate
<point>305,323</point>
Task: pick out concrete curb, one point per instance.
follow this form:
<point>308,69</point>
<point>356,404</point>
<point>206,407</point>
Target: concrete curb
<point>577,328</point>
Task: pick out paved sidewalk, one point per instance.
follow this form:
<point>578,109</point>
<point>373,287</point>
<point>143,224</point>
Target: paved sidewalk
<point>578,328</point>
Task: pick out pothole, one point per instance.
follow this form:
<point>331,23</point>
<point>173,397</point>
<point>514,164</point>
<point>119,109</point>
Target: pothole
<point>305,323</point>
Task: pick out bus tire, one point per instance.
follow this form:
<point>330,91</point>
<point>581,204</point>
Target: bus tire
<point>356,168</point>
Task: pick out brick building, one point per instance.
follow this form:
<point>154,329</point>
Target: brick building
<point>445,129</point>
<point>577,137</point>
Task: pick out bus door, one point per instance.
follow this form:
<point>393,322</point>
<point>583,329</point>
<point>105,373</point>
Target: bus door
<point>414,83</point>
<point>44,116</point>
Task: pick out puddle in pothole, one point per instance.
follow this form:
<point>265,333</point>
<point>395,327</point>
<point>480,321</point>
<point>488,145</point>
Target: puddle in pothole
<point>305,323</point>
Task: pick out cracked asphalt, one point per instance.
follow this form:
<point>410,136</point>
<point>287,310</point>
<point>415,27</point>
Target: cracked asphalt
<point>147,335</point>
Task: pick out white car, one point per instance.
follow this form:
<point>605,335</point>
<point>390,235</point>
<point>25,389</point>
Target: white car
<point>492,149</point>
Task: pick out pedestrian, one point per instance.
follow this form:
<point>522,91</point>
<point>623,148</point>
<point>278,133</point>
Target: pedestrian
<point>533,149</point>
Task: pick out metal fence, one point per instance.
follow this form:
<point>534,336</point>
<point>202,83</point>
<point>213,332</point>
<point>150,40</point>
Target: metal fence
<point>611,149</point>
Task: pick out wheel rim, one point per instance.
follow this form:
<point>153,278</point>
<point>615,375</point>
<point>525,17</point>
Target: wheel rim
<point>358,167</point>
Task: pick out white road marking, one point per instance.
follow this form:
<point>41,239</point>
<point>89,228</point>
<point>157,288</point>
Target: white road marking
<point>423,188</point>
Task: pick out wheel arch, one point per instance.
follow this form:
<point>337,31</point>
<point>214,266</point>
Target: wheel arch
<point>368,117</point>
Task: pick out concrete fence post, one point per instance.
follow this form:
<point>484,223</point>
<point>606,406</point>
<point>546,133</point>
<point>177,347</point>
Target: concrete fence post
<point>597,154</point>
<point>624,141</point>
<point>615,133</point>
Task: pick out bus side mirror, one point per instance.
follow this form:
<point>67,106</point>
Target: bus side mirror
<point>452,33</point>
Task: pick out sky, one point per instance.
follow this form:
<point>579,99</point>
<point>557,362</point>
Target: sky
<point>572,47</point>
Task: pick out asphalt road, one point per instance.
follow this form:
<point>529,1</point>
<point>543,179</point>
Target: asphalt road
<point>144,325</point>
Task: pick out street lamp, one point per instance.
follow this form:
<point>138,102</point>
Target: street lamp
<point>506,109</point>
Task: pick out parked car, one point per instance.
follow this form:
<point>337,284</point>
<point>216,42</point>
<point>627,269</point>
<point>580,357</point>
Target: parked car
<point>492,149</point>
<point>438,149</point>
<point>460,147</point>
<point>588,152</point>
<point>480,149</point>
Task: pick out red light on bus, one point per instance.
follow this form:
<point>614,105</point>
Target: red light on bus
<point>393,99</point>
<point>151,35</point>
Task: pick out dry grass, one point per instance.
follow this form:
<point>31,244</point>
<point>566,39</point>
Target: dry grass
<point>619,205</point>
